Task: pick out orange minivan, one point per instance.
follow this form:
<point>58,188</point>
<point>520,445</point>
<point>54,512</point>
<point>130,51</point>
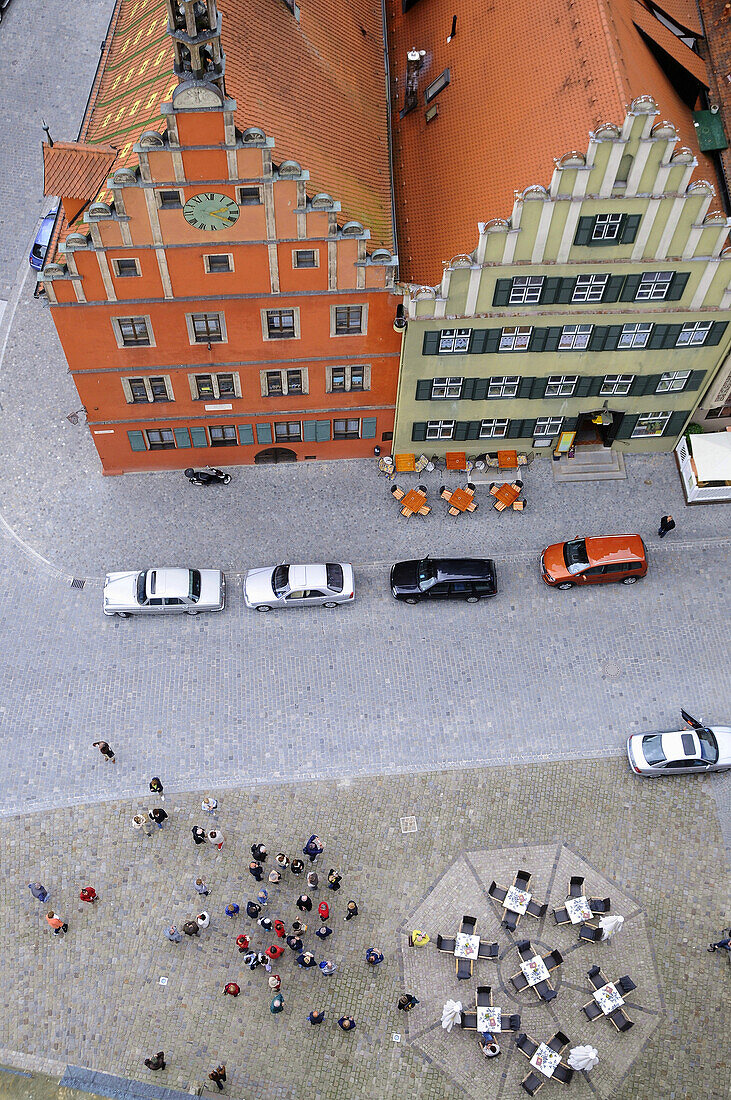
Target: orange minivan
<point>594,561</point>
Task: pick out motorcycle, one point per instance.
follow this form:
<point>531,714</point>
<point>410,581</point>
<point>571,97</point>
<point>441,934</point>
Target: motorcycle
<point>209,476</point>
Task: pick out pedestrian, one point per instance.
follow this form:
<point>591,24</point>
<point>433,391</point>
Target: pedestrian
<point>324,910</point>
<point>209,805</point>
<point>252,910</point>
<point>259,852</point>
<point>274,952</point>
<point>327,967</point>
<point>56,923</point>
<point>232,989</point>
<point>294,943</point>
<point>158,815</point>
<point>275,877</point>
<point>201,887</point>
<point>298,927</point>
<point>242,942</point>
<point>203,920</point>
<point>282,860</point>
<point>231,909</point>
<point>256,870</point>
<point>313,880</point>
<point>724,943</point>
<point>346,1023</point>
<point>218,1075</point>
<point>274,982</point>
<point>89,894</point>
<point>373,957</point>
<point>418,938</point>
<point>262,897</point>
<point>38,891</point>
<point>105,750</point>
<point>142,822</point>
<point>296,866</point>
<point>199,835</point>
<point>306,960</point>
<point>316,1017</point>
<point>265,923</point>
<point>489,1047</point>
<point>157,1061</point>
<point>156,787</point>
<point>323,932</point>
<point>280,929</point>
<point>333,880</point>
<point>667,523</point>
<point>251,959</point>
<point>313,848</point>
<point>303,903</point>
<point>351,911</point>
<point>191,928</point>
<point>277,1004</point>
<point>406,1002</point>
<point>172,934</point>
<point>216,838</point>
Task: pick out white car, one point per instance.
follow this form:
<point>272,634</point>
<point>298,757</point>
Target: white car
<point>285,585</point>
<point>164,591</point>
<point>694,750</point>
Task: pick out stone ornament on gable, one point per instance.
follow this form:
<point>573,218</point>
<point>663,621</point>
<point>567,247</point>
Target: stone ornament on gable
<point>702,186</point>
<point>421,292</point>
<point>124,176</point>
<point>683,155</point>
<point>322,201</point>
<point>74,241</point>
<point>497,225</point>
<point>606,131</point>
<point>253,134</point>
<point>381,256</point>
<point>289,169</point>
<point>715,217</point>
<point>574,159</point>
<point>643,105</point>
<point>462,260</point>
<point>664,130</point>
<point>535,191</point>
<point>100,210</point>
<point>52,271</point>
<point>197,93</point>
<point>352,229</point>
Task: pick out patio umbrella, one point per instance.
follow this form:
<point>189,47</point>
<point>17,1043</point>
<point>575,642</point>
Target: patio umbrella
<point>582,1057</point>
<point>610,926</point>
<point>451,1014</point>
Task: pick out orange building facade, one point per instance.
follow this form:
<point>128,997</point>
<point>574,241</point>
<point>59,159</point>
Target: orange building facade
<point>216,309</point>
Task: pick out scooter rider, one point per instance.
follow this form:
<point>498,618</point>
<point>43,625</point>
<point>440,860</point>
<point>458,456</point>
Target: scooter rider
<point>207,477</point>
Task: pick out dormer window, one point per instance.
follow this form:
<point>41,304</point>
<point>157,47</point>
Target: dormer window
<point>436,86</point>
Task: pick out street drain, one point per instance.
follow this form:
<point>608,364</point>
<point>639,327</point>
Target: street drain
<point>78,582</point>
<point>611,670</point>
<point>408,825</point>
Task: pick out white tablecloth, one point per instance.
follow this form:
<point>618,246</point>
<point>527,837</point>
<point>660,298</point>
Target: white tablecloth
<point>608,998</point>
<point>467,946</point>
<point>535,970</point>
<point>517,900</point>
<point>545,1060</point>
<point>489,1019</point>
<point>578,909</point>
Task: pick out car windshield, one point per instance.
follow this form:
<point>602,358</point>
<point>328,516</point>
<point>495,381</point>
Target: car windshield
<point>427,573</point>
<point>652,748</point>
<point>709,746</point>
<point>141,592</point>
<point>334,577</point>
<point>280,580</point>
<point>194,585</point>
<point>575,556</point>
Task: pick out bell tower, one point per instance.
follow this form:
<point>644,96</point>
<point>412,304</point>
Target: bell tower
<point>195,28</point>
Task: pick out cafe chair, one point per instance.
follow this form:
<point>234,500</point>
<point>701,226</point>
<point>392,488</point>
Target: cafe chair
<point>463,968</point>
<point>510,920</point>
<point>535,909</point>
<point>439,462</point>
<point>625,984</point>
<point>424,510</point>
<point>558,1042</point>
<point>491,463</point>
<point>561,916</point>
<point>421,463</point>
<point>621,1020</point>
<point>522,880</point>
<point>468,925</point>
<point>470,487</point>
<point>518,483</point>
<point>592,1009</point>
<point>589,934</point>
<point>406,512</point>
<point>445,492</point>
<point>473,506</point>
<point>398,493</point>
<point>525,950</point>
<point>532,1083</point>
<point>482,996</point>
<point>526,1045</point>
<point>468,1021</point>
<point>499,506</point>
<point>576,886</point>
<point>499,893</point>
<point>422,489</point>
<point>454,511</point>
<point>519,981</point>
<point>553,959</point>
<point>487,950</point>
<point>596,977</point>
<point>545,991</point>
<point>446,944</point>
<point>519,505</point>
<point>563,1073</point>
<point>599,905</point>
<point>512,1023</point>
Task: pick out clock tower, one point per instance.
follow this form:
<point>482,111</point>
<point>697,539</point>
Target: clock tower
<point>195,28</point>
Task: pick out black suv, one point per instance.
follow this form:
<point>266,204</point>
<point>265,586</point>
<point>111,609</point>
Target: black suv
<point>469,579</point>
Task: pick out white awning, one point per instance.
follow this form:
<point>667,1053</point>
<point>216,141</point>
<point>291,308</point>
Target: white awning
<point>712,455</point>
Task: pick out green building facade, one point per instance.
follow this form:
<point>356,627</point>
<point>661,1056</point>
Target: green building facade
<point>600,307</point>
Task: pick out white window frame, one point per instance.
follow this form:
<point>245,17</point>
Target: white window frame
<point>126,274</point>
<point>646,420</point>
<point>603,223</point>
<point>365,367</point>
<point>152,447</point>
<point>561,385</point>
<point>133,317</point>
<point>283,378</point>
<point>439,429</point>
<point>515,338</point>
<point>447,386</point>
<point>575,337</point>
<point>451,338</point>
<point>208,313</point>
<point>650,283</point>
<point>692,329</point>
<point>616,385</point>
<point>207,262</point>
<point>525,290</point>
<point>362,306</point>
<point>503,385</point>
<point>305,267</point>
<point>265,329</point>
<point>589,288</point>
<point>494,429</point>
<point>635,336</point>
<point>216,396</point>
<point>129,396</point>
<point>286,439</point>
<point>345,419</point>
<point>248,187</point>
<point>547,426</point>
<point>673,381</point>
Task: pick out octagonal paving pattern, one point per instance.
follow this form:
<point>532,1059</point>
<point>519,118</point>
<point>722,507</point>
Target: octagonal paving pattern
<point>463,888</point>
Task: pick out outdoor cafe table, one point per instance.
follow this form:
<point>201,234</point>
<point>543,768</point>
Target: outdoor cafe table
<point>466,946</point>
<point>545,1060</point>
<point>489,1019</point>
<point>461,499</point>
<point>535,970</point>
<point>413,500</point>
<point>517,900</point>
<point>608,998</point>
<point>506,493</point>
<point>578,910</point>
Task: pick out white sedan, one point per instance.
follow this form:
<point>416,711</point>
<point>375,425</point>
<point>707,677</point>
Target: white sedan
<point>287,585</point>
<point>692,751</point>
<point>164,591</point>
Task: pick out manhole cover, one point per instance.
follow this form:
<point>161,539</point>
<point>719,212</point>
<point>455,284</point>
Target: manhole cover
<point>612,670</point>
<point>78,582</point>
<point>408,824</point>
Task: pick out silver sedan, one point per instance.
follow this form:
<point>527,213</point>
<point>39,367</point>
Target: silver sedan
<point>164,591</point>
<point>326,585</point>
<point>692,751</point>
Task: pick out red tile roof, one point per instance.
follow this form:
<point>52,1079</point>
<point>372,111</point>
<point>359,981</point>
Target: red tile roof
<point>683,12</point>
<point>74,170</point>
<point>670,43</point>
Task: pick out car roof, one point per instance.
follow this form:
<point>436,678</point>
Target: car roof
<point>168,582</point>
<point>609,548</point>
<point>45,229</point>
<point>681,745</point>
<point>307,576</point>
<point>463,568</point>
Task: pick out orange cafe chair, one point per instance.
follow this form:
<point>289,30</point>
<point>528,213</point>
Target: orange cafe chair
<point>456,460</point>
<point>405,464</point>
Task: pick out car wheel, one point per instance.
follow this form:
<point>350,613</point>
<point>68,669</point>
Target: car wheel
<point>263,607</point>
<point>565,585</point>
<point>472,599</point>
<point>630,580</point>
<point>122,614</point>
<point>330,603</point>
<point>192,611</point>
<point>410,599</point>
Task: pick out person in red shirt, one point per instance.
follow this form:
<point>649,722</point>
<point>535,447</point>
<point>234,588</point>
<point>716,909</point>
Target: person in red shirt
<point>280,929</point>
<point>89,894</point>
<point>324,910</point>
<point>274,952</point>
<point>232,989</point>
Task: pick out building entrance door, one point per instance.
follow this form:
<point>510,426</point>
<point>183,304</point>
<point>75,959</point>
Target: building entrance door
<point>273,455</point>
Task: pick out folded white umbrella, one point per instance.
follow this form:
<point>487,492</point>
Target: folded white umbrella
<point>582,1057</point>
<point>451,1014</point>
<point>610,926</point>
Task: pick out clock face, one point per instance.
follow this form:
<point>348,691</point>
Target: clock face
<point>209,210</point>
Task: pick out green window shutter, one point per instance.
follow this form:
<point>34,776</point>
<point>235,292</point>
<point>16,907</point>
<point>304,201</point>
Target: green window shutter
<point>715,333</point>
<point>480,391</point>
<point>550,289</point>
<point>478,341</point>
<point>501,297</point>
<point>368,427</point>
<point>537,340</point>
<point>431,343</point>
<point>263,433</point>
<point>468,389</point>
<point>598,338</point>
<point>182,439</point>
<point>631,285</point>
<point>323,431</point>
<point>595,386</point>
<point>199,437</point>
<point>627,426</point>
<point>492,340</point>
<point>309,431</point>
<point>611,337</point>
<point>570,424</point>
<point>137,441</point>
<point>583,387</point>
<point>525,388</point>
<point>553,335</point>
<point>461,430</point>
<point>418,432</point>
<point>565,291</point>
<point>515,428</point>
<point>584,230</point>
<point>696,380</point>
<point>646,383</point>
<point>246,434</point>
<point>538,388</point>
<point>677,286</point>
<point>658,336</point>
<point>675,424</point>
<point>423,389</point>
<point>474,429</point>
<point>672,332</point>
<point>630,226</point>
<point>613,288</point>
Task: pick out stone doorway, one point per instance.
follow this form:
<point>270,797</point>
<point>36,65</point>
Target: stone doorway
<point>273,455</point>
